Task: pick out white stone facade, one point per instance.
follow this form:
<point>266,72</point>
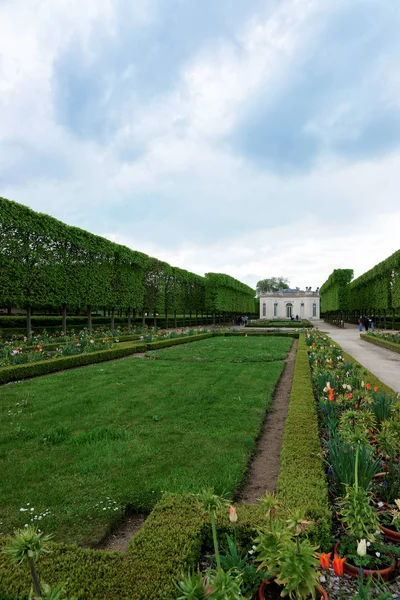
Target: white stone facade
<point>283,304</point>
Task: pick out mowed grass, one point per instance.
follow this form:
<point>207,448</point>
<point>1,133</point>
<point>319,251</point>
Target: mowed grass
<point>79,447</point>
<point>228,349</point>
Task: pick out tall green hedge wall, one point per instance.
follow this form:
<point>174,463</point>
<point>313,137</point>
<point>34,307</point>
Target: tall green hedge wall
<point>378,288</point>
<point>334,291</point>
<point>45,263</point>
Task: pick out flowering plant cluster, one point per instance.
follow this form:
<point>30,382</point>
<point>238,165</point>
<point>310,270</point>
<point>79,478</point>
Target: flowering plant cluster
<point>281,552</point>
<point>12,354</point>
<point>360,438</point>
<point>388,337</point>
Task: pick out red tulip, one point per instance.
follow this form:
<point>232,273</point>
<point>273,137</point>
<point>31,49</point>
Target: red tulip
<point>324,559</point>
<point>337,565</point>
<point>368,386</point>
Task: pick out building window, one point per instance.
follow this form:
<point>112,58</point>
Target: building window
<point>275,309</point>
<point>314,309</point>
<point>264,309</point>
<point>289,310</point>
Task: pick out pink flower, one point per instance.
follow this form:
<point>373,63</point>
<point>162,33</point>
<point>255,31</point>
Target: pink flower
<point>232,514</point>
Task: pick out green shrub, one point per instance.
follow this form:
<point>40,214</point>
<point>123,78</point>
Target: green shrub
<point>379,342</point>
<point>302,482</point>
<point>175,341</point>
<point>19,372</point>
<point>292,334</point>
<point>279,324</point>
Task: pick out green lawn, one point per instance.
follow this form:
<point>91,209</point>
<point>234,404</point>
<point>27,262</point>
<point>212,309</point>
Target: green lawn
<point>228,349</point>
<point>84,444</point>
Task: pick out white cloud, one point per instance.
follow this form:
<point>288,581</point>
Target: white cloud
<point>221,212</point>
<point>306,252</point>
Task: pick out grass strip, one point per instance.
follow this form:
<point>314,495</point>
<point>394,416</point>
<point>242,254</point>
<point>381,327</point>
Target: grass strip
<point>302,482</point>
<point>126,430</point>
<point>229,349</point>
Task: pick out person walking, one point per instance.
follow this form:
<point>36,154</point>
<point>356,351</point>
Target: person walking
<point>366,323</point>
<point>372,324</point>
<point>360,323</point>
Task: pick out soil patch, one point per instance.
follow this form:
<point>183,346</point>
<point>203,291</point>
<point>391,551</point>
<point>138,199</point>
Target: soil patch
<point>264,469</point>
<point>118,541</point>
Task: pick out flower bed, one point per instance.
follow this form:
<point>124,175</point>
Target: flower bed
<point>390,341</point>
<point>360,431</point>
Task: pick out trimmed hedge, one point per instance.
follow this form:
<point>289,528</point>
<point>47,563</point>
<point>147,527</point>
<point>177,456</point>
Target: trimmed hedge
<point>380,342</point>
<point>175,341</point>
<point>302,482</point>
<point>292,334</point>
<point>171,539</point>
<point>280,324</point>
<point>18,372</point>
<point>168,545</point>
<point>8,374</point>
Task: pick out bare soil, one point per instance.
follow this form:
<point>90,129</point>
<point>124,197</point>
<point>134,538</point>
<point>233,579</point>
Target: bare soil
<point>264,469</point>
<point>118,541</point>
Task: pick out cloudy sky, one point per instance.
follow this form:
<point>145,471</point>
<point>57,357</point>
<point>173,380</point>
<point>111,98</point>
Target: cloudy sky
<point>252,137</point>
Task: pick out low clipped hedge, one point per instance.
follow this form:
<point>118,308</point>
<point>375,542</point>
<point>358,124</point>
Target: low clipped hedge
<point>302,482</point>
<point>171,540</point>
<point>280,324</point>
<point>18,372</point>
<point>178,340</point>
<point>168,545</point>
<point>292,334</point>
<point>380,342</point>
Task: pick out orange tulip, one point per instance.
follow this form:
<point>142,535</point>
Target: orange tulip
<point>368,386</point>
<point>337,565</point>
<point>349,396</point>
<point>324,559</point>
<point>357,406</point>
<point>331,394</point>
<point>376,389</point>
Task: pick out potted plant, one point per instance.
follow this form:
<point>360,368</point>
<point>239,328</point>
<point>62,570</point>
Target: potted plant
<point>389,521</point>
<point>291,562</point>
<point>361,544</point>
<point>234,576</point>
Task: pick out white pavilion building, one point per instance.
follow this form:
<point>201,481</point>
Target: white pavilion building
<point>285,304</point>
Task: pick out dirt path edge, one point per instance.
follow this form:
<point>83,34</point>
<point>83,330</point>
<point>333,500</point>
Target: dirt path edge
<point>264,469</point>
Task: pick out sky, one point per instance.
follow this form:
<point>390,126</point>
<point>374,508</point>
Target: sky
<point>256,138</point>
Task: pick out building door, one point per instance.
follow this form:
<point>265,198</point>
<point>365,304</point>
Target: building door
<point>302,310</point>
<point>289,311</point>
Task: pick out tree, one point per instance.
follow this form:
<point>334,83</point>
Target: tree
<point>273,284</point>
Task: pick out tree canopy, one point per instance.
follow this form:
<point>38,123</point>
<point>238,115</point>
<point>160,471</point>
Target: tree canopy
<point>272,284</point>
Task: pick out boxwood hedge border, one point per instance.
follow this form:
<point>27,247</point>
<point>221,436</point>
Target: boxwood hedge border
<point>380,342</point>
<point>45,367</point>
